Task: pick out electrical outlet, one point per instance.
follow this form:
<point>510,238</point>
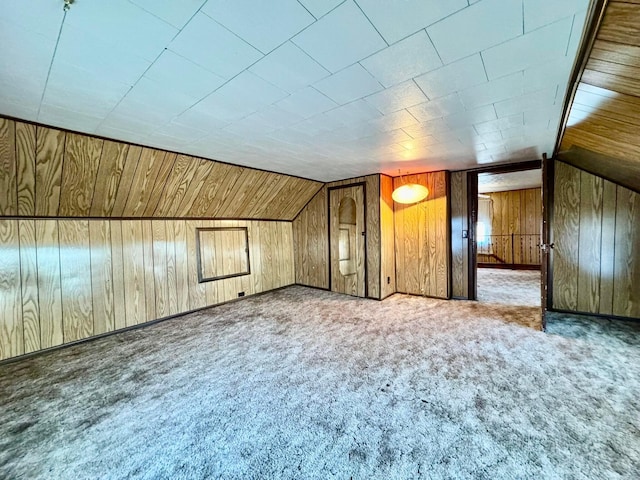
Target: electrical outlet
<point>465,233</point>
<point>241,294</point>
<point>388,280</point>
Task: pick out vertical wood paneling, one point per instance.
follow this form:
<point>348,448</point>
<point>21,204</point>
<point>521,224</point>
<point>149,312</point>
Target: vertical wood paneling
<point>566,222</point>
<point>197,291</point>
<point>50,145</point>
<point>29,282</point>
<point>26,174</point>
<point>8,168</point>
<point>181,264</point>
<point>626,296</point>
<point>112,161</point>
<point>591,190</point>
<point>387,242</point>
<point>171,276</point>
<point>310,237</point>
<point>597,238</point>
<point>134,273</point>
<point>607,254</point>
<point>101,276</point>
<point>66,280</point>
<point>117,271</point>
<point>75,279</point>
<point>11,327</point>
<point>147,240</point>
<point>48,277</point>
<point>160,268</point>
<point>81,162</point>
<point>459,245</point>
<point>422,248</point>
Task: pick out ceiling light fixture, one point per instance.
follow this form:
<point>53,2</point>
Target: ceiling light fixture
<point>409,193</point>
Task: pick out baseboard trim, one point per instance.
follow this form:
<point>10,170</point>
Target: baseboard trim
<point>596,315</point>
<point>26,356</point>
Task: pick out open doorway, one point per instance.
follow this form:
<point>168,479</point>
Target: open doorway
<point>508,237</point>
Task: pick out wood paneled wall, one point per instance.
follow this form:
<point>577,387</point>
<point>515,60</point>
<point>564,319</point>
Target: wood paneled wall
<point>459,245</point>
<point>517,212</point>
<point>311,237</point>
<point>422,238</point>
<point>596,229</point>
<point>66,280</point>
<point>46,172</point>
<point>387,238</point>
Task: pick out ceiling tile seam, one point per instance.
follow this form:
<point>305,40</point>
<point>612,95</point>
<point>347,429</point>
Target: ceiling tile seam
<point>573,22</point>
<point>303,6</point>
<point>162,19</point>
<point>484,67</point>
<point>238,36</point>
<point>371,23</point>
<point>523,31</point>
<point>53,57</point>
<point>145,71</point>
<point>433,45</point>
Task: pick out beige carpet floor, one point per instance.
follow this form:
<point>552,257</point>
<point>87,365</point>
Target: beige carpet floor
<point>509,287</point>
<point>306,384</point>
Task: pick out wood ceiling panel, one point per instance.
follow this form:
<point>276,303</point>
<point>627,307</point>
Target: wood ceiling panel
<point>620,23</point>
<point>605,114</point>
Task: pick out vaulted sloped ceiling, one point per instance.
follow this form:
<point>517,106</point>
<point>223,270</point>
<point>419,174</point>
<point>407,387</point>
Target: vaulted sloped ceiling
<point>323,89</point>
<point>603,128</point>
<point>46,172</point>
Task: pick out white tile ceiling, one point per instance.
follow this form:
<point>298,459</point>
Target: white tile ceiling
<point>322,89</point>
<point>503,182</point>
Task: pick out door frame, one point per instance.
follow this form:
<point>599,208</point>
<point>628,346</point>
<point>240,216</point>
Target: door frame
<point>472,213</point>
<point>366,236</point>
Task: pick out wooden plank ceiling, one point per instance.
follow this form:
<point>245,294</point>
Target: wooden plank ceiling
<point>52,173</point>
<point>604,121</point>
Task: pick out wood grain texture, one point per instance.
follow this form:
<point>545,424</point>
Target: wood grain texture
<point>459,245</point>
<point>596,235</point>
<point>49,287</point>
<point>160,268</point>
<point>626,295</point>
<point>566,223</point>
<point>117,272</point>
<point>387,240</point>
<point>133,257</point>
<point>81,162</point>
<point>66,280</point>
<point>607,253</point>
<point>26,168</point>
<point>29,285</point>
<point>310,237</point>
<point>48,172</point>
<point>422,248</point>
<point>620,23</point>
<point>101,276</point>
<point>590,241</point>
<point>605,113</point>
<point>112,161</point>
<point>351,280</point>
<point>75,279</point>
<point>517,212</point>
<point>8,169</point>
<point>11,327</point>
<point>126,180</point>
